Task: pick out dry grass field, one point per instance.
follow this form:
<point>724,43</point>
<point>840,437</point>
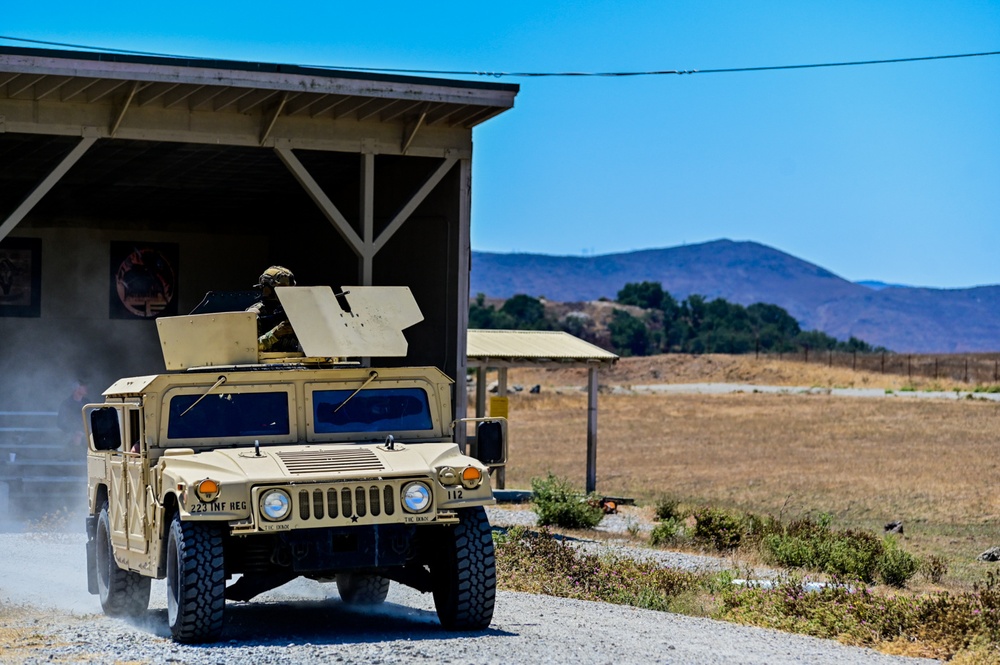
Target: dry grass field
<point>930,462</point>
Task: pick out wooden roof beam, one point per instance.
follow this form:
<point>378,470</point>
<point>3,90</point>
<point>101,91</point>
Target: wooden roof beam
<point>178,95</point>
<point>45,186</point>
<point>258,98</point>
<point>328,103</point>
<point>50,85</point>
<point>302,103</point>
<point>76,87</point>
<point>102,89</point>
<point>15,88</point>
<point>355,104</point>
<point>398,108</point>
<point>203,96</point>
<point>153,92</point>
<point>230,96</point>
<point>375,109</point>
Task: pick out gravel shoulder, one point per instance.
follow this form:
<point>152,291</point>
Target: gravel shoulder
<point>48,616</point>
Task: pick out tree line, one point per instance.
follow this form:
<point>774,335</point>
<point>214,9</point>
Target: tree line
<point>664,325</point>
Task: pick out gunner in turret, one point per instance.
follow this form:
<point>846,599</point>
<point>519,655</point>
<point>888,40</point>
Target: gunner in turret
<point>273,329</point>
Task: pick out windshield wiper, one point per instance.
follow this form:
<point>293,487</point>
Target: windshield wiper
<point>371,377</point>
<point>222,379</point>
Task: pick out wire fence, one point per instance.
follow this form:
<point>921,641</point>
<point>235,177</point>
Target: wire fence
<point>974,368</point>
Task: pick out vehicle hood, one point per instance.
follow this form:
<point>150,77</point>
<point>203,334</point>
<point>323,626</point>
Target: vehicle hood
<point>313,462</point>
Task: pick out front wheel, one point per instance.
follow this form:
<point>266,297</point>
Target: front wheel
<point>122,592</point>
<point>465,573</point>
<point>362,589</point>
<point>196,581</point>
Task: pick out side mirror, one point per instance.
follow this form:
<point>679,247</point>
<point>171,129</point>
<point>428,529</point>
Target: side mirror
<point>491,443</point>
<point>106,429</point>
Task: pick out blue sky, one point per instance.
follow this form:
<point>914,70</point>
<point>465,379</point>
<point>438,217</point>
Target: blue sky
<point>887,172</point>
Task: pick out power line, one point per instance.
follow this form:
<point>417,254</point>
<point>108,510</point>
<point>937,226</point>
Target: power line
<point>501,74</point>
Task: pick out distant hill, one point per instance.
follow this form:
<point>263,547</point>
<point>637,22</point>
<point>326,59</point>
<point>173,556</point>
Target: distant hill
<point>905,319</point>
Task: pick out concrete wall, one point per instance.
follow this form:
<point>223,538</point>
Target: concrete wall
<point>75,337</point>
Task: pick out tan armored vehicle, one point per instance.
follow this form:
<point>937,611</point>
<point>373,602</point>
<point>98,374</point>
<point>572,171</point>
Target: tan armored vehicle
<point>256,468</point>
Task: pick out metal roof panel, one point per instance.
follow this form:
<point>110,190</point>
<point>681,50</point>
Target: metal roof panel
<point>534,345</point>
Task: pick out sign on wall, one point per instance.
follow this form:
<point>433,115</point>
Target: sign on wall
<point>143,280</point>
<point>21,277</point>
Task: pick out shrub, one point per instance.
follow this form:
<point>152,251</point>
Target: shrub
<point>666,508</point>
<point>665,532</point>
<point>538,563</point>
<point>558,504</point>
<point>856,554</point>
<point>720,529</point>
<point>895,566</point>
<point>933,568</point>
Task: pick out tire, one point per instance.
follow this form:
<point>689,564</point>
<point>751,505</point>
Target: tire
<point>465,574</point>
<point>362,589</point>
<point>122,592</point>
<point>196,581</point>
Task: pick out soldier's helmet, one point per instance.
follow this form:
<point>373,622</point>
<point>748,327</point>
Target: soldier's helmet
<point>276,276</point>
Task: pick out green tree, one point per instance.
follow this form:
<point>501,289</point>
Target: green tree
<point>526,312</point>
<point>629,334</point>
<point>648,295</point>
<point>487,317</point>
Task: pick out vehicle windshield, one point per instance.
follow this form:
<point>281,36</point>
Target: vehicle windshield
<point>375,410</point>
<point>228,414</point>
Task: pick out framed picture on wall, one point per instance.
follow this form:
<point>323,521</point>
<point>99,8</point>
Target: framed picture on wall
<point>143,280</point>
<point>21,277</point>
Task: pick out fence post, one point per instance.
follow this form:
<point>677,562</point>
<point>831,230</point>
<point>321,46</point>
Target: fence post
<point>854,360</point>
<point>935,369</point>
<point>830,364</point>
<point>966,370</point>
<point>883,362</point>
<point>996,366</point>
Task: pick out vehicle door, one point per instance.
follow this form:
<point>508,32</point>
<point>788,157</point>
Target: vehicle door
<point>117,433</point>
<point>134,480</point>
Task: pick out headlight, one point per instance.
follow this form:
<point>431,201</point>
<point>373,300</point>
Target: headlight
<point>416,497</point>
<point>275,505</point>
<point>207,490</point>
<point>447,476</point>
<point>471,477</point>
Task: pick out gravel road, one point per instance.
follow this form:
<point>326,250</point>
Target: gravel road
<point>58,621</point>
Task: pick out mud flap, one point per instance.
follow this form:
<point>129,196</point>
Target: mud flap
<point>92,554</point>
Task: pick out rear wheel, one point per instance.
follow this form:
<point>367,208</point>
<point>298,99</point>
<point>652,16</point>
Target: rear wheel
<point>196,581</point>
<point>465,573</point>
<point>122,592</point>
<point>362,589</point>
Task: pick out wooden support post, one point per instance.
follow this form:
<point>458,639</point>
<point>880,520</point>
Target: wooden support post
<point>592,430</point>
<point>501,475</point>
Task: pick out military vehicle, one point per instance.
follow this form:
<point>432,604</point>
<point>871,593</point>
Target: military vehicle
<point>257,468</point>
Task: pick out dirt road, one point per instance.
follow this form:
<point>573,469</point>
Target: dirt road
<point>47,615</point>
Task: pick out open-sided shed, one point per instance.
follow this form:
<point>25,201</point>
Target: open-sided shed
<point>130,186</point>
<point>503,349</point>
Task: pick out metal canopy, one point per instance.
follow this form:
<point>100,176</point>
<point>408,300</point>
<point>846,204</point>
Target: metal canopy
<point>502,349</point>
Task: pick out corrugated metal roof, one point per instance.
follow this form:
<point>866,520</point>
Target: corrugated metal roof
<point>534,346</point>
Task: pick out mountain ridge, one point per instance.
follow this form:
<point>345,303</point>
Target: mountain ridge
<point>901,318</point>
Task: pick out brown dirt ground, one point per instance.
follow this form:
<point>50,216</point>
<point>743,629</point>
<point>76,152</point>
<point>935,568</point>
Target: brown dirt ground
<point>718,368</point>
<point>929,462</point>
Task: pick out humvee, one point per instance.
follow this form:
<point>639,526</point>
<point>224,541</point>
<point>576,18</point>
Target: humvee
<point>237,471</point>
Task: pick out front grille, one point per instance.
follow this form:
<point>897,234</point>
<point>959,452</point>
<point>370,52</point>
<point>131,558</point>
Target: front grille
<point>348,503</point>
<point>331,461</point>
